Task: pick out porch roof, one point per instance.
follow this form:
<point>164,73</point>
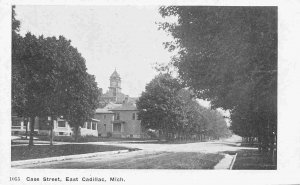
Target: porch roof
<point>97,120</point>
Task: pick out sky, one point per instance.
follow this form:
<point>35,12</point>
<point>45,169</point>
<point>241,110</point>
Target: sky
<point>125,38</point>
<point>108,37</point>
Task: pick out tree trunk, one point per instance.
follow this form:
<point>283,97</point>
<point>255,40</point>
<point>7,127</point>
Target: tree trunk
<point>26,131</point>
<point>51,131</point>
<point>76,132</point>
<point>31,131</point>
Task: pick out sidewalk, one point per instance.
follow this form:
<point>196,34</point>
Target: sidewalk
<point>226,163</point>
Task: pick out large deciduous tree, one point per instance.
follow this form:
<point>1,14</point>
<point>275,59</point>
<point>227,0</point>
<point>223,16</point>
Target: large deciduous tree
<point>83,99</point>
<point>228,55</point>
<point>49,78</point>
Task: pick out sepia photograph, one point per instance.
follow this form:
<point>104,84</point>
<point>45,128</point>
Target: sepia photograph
<point>105,93</point>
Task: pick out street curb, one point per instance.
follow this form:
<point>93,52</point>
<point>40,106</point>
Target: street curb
<point>225,163</point>
<point>62,158</point>
<point>233,161</point>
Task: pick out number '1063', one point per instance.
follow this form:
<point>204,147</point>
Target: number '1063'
<point>14,178</point>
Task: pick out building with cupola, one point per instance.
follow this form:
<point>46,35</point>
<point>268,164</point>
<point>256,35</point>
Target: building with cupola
<point>118,114</point>
<point>117,117</point>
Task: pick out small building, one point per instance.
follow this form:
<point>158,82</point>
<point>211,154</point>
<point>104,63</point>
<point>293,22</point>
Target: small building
<point>126,123</point>
<point>119,121</point>
<point>90,128</point>
<point>19,125</point>
<point>60,127</point>
<point>118,114</point>
<point>106,118</point>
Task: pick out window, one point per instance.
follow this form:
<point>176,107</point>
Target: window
<point>117,116</point>
<point>104,127</point>
<point>61,124</point>
<point>104,116</point>
<point>16,122</point>
<point>88,125</point>
<point>117,127</point>
<point>93,126</point>
<point>133,116</point>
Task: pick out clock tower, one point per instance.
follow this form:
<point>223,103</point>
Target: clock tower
<point>115,83</point>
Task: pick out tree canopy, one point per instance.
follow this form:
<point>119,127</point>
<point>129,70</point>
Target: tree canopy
<point>49,78</point>
<point>228,55</point>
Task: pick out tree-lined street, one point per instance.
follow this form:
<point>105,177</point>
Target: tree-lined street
<point>229,56</point>
<point>226,56</point>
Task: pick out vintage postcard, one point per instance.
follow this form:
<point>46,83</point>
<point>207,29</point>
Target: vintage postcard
<point>150,93</point>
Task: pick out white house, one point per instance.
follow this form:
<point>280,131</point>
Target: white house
<point>60,127</point>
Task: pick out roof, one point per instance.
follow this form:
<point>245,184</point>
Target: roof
<point>111,106</point>
<point>115,74</point>
<point>103,111</point>
<point>125,106</point>
<point>95,119</point>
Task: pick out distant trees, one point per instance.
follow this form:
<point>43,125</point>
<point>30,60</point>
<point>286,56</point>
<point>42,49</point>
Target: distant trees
<point>49,78</point>
<point>202,122</point>
<point>228,55</point>
<point>167,107</point>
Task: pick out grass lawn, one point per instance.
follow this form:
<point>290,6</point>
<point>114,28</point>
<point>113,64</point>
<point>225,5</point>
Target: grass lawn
<point>253,160</point>
<point>170,160</point>
<point>43,151</point>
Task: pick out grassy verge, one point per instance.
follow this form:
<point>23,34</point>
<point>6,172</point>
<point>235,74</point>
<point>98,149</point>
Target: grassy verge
<point>43,151</point>
<point>170,160</point>
<point>253,160</point>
